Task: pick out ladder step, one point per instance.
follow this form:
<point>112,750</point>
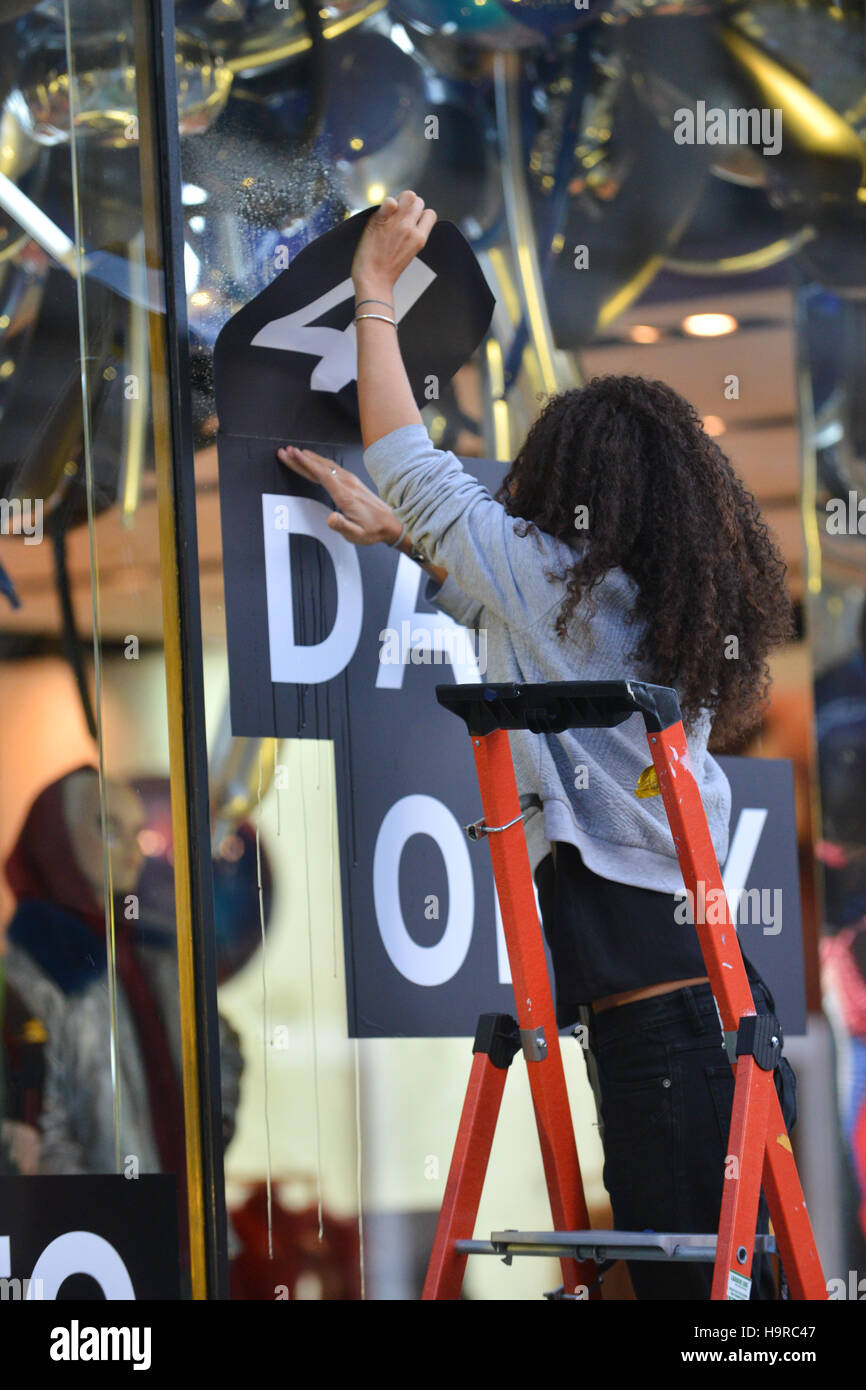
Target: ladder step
<point>606,1245</point>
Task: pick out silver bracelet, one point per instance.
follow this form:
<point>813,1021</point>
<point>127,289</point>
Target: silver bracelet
<point>403,533</point>
<point>383,317</point>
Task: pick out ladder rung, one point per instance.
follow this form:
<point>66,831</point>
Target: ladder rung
<point>606,1245</point>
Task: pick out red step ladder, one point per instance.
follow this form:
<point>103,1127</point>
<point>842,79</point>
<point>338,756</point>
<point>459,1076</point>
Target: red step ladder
<point>758,1137</point>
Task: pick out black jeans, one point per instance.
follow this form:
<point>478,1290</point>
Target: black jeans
<point>666,1089</point>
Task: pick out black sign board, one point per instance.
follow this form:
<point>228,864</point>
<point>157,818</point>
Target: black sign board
<point>286,363</point>
<point>306,612</point>
<point>88,1237</point>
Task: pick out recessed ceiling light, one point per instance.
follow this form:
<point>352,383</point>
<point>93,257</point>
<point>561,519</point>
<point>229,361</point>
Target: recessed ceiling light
<point>644,333</point>
<point>709,325</point>
<point>714,425</point>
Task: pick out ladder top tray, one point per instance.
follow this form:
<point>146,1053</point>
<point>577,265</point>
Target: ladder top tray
<point>550,707</point>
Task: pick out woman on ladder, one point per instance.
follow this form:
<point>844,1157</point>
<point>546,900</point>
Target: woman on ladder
<point>621,544</point>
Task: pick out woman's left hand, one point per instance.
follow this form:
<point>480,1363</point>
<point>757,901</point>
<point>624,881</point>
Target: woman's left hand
<point>363,518</point>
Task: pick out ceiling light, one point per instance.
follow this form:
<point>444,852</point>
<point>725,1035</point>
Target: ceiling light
<point>644,333</point>
<point>709,325</point>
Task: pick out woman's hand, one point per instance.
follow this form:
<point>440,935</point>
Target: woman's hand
<point>392,238</point>
<point>363,518</point>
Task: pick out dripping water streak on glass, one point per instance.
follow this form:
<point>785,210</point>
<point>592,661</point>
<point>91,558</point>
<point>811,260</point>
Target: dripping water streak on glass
<point>350,773</point>
<point>268,1181</point>
<point>277,748</point>
<point>312,1005</point>
<point>332,791</point>
<point>359,1169</point>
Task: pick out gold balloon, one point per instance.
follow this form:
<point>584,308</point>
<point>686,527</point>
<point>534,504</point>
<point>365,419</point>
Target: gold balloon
<point>813,131</point>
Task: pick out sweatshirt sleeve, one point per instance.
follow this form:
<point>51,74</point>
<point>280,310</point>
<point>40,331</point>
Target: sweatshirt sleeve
<point>451,599</point>
<point>454,519</point>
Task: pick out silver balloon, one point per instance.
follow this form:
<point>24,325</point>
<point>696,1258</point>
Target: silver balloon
<point>104,105</point>
<point>257,36</point>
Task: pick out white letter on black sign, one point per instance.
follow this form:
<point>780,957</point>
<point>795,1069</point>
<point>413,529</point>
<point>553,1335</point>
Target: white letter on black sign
<point>284,517</point>
<point>423,815</point>
<point>336,348</point>
<point>457,647</point>
<point>741,854</point>
<point>81,1252</point>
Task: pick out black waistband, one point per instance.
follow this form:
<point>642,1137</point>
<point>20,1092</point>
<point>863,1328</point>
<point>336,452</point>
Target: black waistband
<point>694,1004</point>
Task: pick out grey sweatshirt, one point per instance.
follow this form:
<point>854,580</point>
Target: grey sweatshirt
<point>585,778</point>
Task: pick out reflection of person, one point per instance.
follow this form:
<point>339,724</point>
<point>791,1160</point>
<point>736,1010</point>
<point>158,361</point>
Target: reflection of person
<point>621,544</point>
<point>57,959</point>
<point>843,961</point>
<point>22,1075</point>
<point>840,719</point>
<point>840,707</point>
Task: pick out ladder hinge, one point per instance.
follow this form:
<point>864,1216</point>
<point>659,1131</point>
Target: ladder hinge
<point>534,1044</point>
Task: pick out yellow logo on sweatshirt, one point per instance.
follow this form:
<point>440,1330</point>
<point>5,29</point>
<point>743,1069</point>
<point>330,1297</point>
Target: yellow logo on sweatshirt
<point>647,783</point>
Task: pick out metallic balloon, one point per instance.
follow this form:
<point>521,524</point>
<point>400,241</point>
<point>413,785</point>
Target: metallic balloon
<point>392,123</point>
<point>822,42</point>
<point>258,36</point>
<point>484,24</point>
<point>630,194</point>
<point>554,18</point>
<point>715,90</point>
<point>378,102</point>
<point>104,108</point>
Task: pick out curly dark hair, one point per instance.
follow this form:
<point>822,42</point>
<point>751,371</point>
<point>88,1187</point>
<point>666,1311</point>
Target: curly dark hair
<point>665,505</point>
